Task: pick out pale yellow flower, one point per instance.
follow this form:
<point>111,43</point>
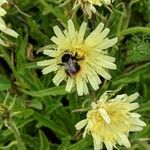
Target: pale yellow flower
<point>87,57</point>
<point>3,27</point>
<point>2,11</point>
<point>110,121</point>
<point>88,5</point>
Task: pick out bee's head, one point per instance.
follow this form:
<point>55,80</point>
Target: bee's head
<point>66,57</point>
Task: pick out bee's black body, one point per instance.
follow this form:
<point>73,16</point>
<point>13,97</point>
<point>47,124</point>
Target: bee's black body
<point>70,63</point>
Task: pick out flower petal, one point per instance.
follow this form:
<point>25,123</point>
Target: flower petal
<point>59,77</point>
<point>82,32</point>
<point>49,69</point>
<point>79,84</point>
<point>70,84</point>
<point>51,53</point>
<point>46,62</point>
<point>109,145</point>
<point>2,2</point>
<point>124,140</point>
<point>133,97</point>
<point>105,115</point>
<point>95,33</point>
<point>2,12</point>
<point>81,124</point>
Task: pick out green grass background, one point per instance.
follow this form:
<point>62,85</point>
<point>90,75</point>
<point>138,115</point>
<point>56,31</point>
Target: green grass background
<point>46,120</point>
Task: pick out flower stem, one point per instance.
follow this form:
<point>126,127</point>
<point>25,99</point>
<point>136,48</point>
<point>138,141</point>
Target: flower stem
<point>121,20</point>
<point>133,30</point>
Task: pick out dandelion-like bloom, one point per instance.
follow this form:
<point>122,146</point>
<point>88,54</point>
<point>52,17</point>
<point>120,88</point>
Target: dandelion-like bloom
<point>3,27</point>
<point>111,120</point>
<point>88,5</point>
<point>79,60</point>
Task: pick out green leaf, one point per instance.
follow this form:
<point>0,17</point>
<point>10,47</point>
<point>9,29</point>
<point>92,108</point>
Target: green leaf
<point>52,107</point>
<point>65,143</point>
<point>54,91</point>
<point>36,104</point>
<point>140,145</point>
<point>54,10</point>
<point>133,76</point>
<point>26,113</point>
<point>35,32</point>
<point>81,145</point>
<point>50,124</point>
<point>31,141</point>
<point>44,141</point>
<point>142,134</point>
<point>144,107</point>
<point>4,83</point>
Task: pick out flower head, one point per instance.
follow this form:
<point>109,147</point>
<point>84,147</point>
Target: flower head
<point>88,5</point>
<point>3,27</point>
<point>78,60</point>
<point>110,121</point>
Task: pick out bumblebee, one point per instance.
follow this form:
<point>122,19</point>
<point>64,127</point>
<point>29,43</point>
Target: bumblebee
<point>70,62</point>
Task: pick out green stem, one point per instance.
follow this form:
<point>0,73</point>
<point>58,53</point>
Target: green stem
<point>128,13</point>
<point>133,30</point>
<point>13,127</point>
<point>121,20</point>
<point>125,17</point>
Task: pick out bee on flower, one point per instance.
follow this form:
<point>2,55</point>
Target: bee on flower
<point>111,120</point>
<point>88,5</point>
<point>3,27</point>
<point>79,60</point>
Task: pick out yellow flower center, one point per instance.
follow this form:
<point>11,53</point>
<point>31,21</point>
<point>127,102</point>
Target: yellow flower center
<point>96,120</point>
<point>81,54</point>
<point>118,115</point>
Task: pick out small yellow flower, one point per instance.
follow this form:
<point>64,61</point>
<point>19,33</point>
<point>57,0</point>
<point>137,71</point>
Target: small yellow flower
<point>88,5</point>
<point>110,121</point>
<point>3,27</point>
<point>78,60</point>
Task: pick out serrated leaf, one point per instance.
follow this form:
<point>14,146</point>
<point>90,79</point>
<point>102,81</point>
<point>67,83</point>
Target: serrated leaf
<point>138,51</point>
<point>4,83</point>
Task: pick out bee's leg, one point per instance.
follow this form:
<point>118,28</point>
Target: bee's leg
<point>76,55</point>
<point>82,58</point>
<point>67,72</point>
<point>60,64</point>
